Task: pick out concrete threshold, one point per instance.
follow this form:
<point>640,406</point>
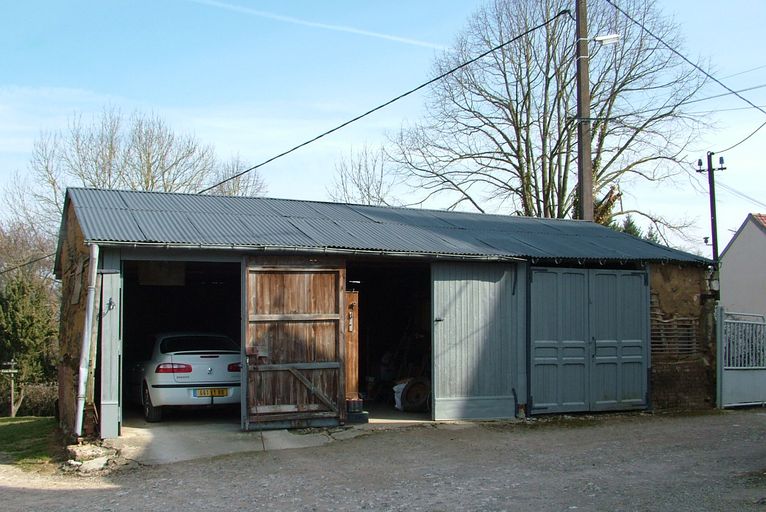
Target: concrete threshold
<point>210,436</point>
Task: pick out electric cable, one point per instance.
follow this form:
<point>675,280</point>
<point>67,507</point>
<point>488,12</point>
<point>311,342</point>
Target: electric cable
<point>744,72</point>
<point>26,263</point>
<point>741,195</point>
<point>683,57</point>
<point>689,102</point>
<point>718,110</point>
<point>742,141</point>
<point>389,102</point>
<point>692,172</point>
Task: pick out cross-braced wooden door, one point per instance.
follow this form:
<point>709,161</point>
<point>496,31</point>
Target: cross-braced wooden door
<point>294,344</point>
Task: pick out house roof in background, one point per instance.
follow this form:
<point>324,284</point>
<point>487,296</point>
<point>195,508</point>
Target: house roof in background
<point>758,219</point>
<point>114,217</point>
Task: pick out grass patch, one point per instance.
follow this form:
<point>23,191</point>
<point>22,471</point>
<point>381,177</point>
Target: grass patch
<point>29,440</point>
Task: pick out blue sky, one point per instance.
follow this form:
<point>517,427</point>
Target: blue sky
<point>256,78</point>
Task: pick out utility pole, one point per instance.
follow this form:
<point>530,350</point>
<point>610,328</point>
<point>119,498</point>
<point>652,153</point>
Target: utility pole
<point>711,189</point>
<point>584,163</point>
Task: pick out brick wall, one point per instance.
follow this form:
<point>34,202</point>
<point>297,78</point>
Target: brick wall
<point>682,385</point>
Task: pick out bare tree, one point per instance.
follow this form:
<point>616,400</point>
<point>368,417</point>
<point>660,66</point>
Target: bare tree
<point>364,177</point>
<point>139,152</point>
<point>248,184</point>
<point>156,158</point>
<point>500,133</point>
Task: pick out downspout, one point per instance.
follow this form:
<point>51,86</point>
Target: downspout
<point>86,339</point>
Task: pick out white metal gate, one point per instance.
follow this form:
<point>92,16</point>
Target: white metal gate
<point>741,359</point>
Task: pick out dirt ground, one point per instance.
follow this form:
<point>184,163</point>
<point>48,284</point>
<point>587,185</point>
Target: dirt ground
<point>714,461</point>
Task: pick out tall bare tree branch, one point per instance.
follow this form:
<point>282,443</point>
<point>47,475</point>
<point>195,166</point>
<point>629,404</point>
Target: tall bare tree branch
<point>500,133</point>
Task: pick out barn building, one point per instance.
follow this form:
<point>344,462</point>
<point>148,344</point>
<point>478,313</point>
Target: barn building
<point>481,316</point>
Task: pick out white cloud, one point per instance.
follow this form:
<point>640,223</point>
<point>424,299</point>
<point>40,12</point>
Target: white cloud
<point>323,26</point>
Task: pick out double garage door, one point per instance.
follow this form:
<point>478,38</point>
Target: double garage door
<point>589,338</point>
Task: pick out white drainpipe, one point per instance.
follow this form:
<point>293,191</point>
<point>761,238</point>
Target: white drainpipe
<point>86,338</point>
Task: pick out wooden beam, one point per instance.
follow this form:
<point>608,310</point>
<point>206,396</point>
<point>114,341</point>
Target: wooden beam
<point>332,365</point>
<point>265,418</point>
<point>285,408</point>
<point>314,390</point>
<point>296,317</point>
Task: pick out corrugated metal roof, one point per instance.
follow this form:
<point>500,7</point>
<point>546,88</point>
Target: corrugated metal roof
<point>113,216</point>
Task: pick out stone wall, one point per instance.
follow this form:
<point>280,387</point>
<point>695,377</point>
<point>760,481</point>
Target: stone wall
<point>684,379</point>
<point>74,287</point>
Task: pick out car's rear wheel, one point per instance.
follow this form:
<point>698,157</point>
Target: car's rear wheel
<point>151,413</point>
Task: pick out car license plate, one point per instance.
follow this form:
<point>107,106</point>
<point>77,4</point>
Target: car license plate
<point>211,392</point>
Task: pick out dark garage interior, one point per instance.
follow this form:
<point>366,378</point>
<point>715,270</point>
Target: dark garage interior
<point>176,296</point>
<point>394,334</point>
<point>394,319</point>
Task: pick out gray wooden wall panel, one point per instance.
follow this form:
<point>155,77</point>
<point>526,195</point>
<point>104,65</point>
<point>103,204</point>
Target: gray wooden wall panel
<point>111,344</point>
<point>475,339</point>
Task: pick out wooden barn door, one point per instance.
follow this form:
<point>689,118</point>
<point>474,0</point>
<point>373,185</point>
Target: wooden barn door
<point>295,344</point>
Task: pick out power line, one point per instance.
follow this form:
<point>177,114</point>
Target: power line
<point>691,172</point>
<point>682,56</point>
<point>744,72</point>
<point>742,195</point>
<point>389,102</point>
<point>743,140</point>
<point>718,110</point>
<point>26,263</point>
<point>688,102</point>
<point>754,87</point>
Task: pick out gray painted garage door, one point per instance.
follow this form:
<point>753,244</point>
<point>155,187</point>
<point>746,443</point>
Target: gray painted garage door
<point>589,340</point>
<point>477,322</point>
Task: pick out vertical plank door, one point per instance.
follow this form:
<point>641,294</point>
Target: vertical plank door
<point>295,344</point>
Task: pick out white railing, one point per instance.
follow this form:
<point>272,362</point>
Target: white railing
<point>744,342</point>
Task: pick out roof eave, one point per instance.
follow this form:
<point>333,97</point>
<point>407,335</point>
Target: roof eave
<point>282,249</point>
<point>263,249</point>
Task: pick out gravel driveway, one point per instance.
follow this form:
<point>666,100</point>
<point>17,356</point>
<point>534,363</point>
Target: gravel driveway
<point>714,461</point>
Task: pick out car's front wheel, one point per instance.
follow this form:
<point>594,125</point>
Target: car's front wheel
<point>151,413</point>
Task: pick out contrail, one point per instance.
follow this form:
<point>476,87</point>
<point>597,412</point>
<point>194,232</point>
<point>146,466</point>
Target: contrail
<point>325,26</point>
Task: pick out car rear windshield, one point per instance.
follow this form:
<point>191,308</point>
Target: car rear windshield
<point>197,344</point>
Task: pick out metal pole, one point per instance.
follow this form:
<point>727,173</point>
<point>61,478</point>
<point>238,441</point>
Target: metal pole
<point>13,394</point>
<point>713,223</point>
<point>584,163</point>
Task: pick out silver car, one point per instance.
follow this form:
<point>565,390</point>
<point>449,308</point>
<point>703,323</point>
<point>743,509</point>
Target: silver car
<point>187,369</point>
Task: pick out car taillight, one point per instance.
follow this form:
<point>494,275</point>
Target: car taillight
<point>235,367</point>
<point>173,368</point>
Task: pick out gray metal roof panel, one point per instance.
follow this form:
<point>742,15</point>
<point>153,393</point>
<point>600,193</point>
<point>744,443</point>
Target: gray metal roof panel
<point>292,209</point>
<point>167,227</point>
<point>337,212</point>
<point>122,216</point>
<point>109,225</point>
<point>273,232</point>
<point>92,198</point>
<point>400,216</point>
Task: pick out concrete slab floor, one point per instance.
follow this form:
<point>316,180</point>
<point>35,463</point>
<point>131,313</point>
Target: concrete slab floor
<point>188,434</point>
